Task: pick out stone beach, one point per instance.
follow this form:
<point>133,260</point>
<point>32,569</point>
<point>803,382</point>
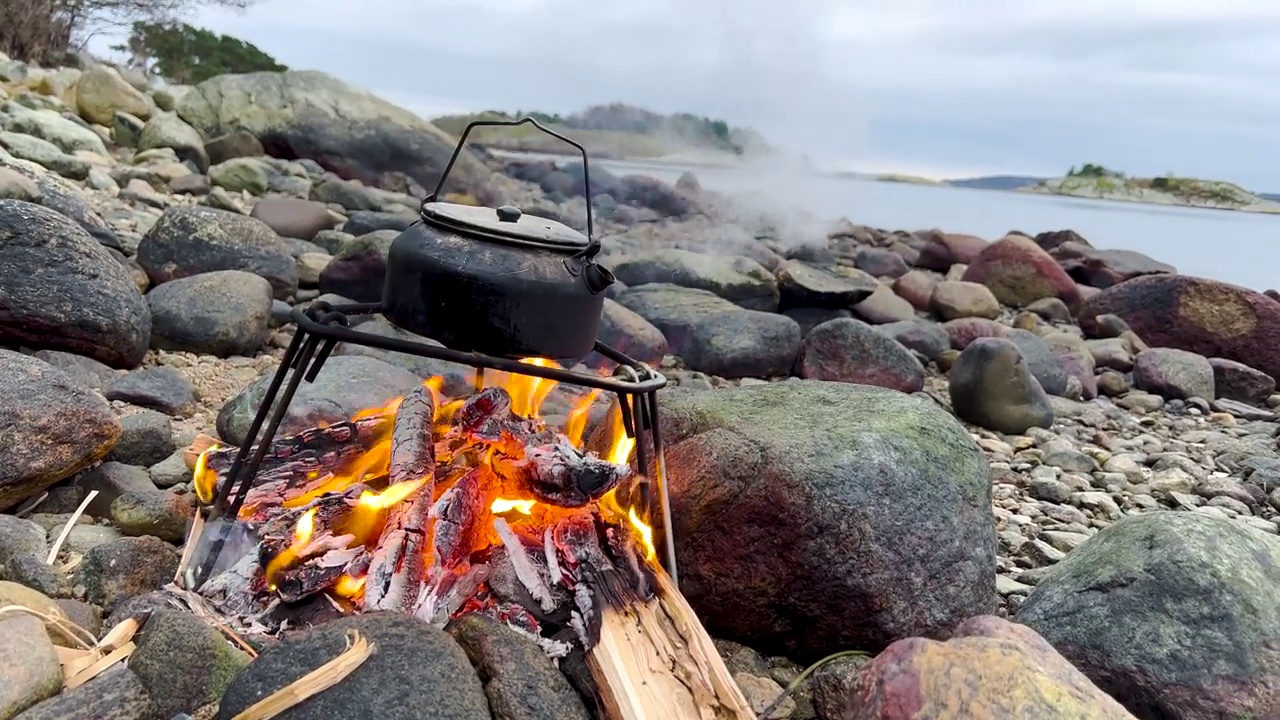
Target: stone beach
<point>1030,477</point>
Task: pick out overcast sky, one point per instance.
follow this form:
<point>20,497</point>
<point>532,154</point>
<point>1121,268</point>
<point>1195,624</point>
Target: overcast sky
<point>938,87</point>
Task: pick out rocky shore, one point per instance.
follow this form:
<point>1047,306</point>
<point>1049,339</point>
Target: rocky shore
<point>1032,478</point>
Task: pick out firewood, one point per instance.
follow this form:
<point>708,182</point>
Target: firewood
<point>655,661</point>
<point>294,462</point>
<point>398,566</point>
<point>560,474</point>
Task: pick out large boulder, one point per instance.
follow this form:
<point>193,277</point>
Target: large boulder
<point>308,114</point>
<point>101,93</point>
<point>1019,273</point>
<point>1175,614</point>
<point>1103,268</point>
<point>192,239</point>
<point>991,669</point>
<point>814,516</point>
<point>222,313</point>
<point>65,198</point>
<point>1211,318</point>
<point>714,335</point>
<point>53,427</point>
<point>60,289</point>
<point>740,280</point>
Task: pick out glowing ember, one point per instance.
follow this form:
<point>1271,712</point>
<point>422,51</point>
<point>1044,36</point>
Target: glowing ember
<point>503,505</point>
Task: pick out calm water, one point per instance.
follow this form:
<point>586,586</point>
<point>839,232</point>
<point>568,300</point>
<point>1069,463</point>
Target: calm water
<point>1233,246</point>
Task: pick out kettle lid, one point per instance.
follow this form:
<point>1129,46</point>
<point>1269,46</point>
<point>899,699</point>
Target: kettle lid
<point>507,224</point>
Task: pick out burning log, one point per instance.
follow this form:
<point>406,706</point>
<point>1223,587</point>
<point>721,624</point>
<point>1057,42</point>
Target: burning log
<point>560,474</point>
<point>296,465</point>
<point>308,551</point>
<point>398,565</point>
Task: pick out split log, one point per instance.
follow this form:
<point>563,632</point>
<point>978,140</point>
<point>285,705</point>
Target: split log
<point>306,551</point>
<point>398,565</point>
<point>295,464</point>
<point>655,661</point>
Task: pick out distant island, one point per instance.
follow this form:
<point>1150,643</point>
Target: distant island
<point>617,131</point>
<point>1101,183</point>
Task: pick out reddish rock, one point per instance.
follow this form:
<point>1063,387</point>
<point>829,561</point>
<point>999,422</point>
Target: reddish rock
<point>883,306</point>
<point>1208,317</point>
<point>1104,268</point>
<point>946,249</point>
<point>1019,273</point>
<point>965,330</point>
<point>848,350</point>
<point>1237,381</point>
<point>990,669</point>
<point>293,217</point>
<point>916,287</point>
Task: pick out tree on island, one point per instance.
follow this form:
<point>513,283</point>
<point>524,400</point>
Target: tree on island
<point>1093,171</point>
<point>185,54</point>
<point>44,31</point>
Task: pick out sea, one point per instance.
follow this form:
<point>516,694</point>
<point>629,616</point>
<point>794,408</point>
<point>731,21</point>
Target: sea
<point>1236,247</point>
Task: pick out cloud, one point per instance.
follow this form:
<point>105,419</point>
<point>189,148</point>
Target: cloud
<point>1009,85</point>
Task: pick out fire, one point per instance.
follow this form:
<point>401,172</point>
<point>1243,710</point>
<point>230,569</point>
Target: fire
<point>365,522</point>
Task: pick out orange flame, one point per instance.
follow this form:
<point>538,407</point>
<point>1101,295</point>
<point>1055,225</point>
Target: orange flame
<point>204,480</point>
<point>576,423</point>
<point>504,505</point>
<point>303,529</point>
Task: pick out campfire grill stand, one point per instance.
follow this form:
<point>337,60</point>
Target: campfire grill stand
<point>321,326</point>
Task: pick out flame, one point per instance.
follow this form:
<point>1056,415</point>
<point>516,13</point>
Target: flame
<point>303,529</point>
<point>503,505</point>
<point>576,423</point>
<point>349,587</point>
<point>204,480</point>
<point>389,497</point>
<point>620,446</point>
<point>645,532</point>
<point>528,392</point>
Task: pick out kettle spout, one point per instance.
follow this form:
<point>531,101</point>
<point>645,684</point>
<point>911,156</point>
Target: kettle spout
<point>597,277</point>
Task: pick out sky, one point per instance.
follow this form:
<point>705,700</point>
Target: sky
<point>942,88</point>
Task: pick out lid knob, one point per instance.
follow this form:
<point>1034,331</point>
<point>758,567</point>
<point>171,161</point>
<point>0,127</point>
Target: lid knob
<point>508,213</point>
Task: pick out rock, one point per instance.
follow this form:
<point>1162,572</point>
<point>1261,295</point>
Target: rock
<point>990,670</point>
<point>1205,650</point>
<point>417,672</point>
<point>237,143</point>
<point>240,175</point>
<point>917,288</point>
<point>193,184</point>
<point>48,125</point>
<point>16,186</point>
<point>883,306</point>
<point>1207,317</point>
<point>805,285</point>
<point>991,386</point>
<point>156,512</point>
<point>21,538</point>
<point>880,262</point>
<point>351,195</point>
<point>169,471</point>
<point>810,318</point>
<point>737,279</point>
<point>1074,358</point>
<point>715,336</point>
<point>772,488</point>
<point>922,336</point>
<point>519,680</point>
<point>848,350</point>
<point>112,479</point>
<point>69,201</point>
<point>62,290</point>
<point>1019,273</point>
<point>189,240</point>
<point>1236,381</point>
<point>1041,360</point>
<point>359,268</point>
<point>943,250</point>
<point>54,427</point>
<point>184,662</point>
<point>954,299</point>
<point>222,313</point>
<point>116,694</point>
<point>832,683</point>
<point>964,331</point>
<point>126,129</point>
<point>45,154</point>
<point>307,114</point>
<point>629,333</point>
<point>167,130</point>
<point>1104,268</point>
<point>29,669</point>
<point>83,370</point>
<point>363,222</point>
<point>120,569</point>
<point>1052,309</point>
<point>459,379</point>
<point>346,384</point>
<point>101,93</point>
<point>1173,373</point>
<point>146,438</point>
<point>293,217</point>
<point>158,388</point>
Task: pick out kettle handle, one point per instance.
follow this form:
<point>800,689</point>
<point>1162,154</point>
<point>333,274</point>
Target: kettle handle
<point>593,246</point>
